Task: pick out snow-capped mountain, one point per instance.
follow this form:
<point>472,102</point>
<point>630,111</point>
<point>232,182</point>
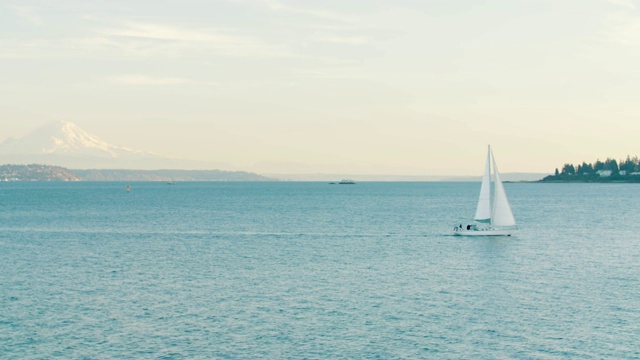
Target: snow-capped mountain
<point>65,144</point>
<point>65,138</point>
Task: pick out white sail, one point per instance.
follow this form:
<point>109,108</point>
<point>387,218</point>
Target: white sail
<point>501,214</point>
<point>500,217</point>
<point>483,211</point>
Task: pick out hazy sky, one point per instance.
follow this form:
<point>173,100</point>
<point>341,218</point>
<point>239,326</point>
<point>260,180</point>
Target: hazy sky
<point>365,86</point>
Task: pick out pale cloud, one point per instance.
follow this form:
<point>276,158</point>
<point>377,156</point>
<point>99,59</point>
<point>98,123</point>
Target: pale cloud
<point>178,42</point>
<point>145,40</point>
<point>624,3</point>
<point>351,40</point>
<point>147,80</point>
<point>279,6</point>
<point>623,24</point>
<point>329,73</point>
<point>624,28</point>
<point>327,26</point>
<point>28,13</point>
<point>106,37</point>
<point>164,32</point>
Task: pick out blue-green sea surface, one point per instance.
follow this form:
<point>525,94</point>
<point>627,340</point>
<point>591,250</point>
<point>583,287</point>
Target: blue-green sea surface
<point>311,270</point>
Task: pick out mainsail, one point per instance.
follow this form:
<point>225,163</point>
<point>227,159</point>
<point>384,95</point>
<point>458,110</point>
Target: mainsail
<point>501,214</point>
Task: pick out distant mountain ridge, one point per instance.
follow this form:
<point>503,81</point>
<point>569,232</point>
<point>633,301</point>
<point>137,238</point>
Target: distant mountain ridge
<point>167,175</point>
<point>37,172</point>
<point>65,144</point>
<point>66,138</point>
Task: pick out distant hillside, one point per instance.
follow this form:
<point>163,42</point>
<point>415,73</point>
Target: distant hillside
<point>35,172</point>
<point>167,175</point>
<point>65,144</point>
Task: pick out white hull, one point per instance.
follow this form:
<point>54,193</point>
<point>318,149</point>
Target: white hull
<point>485,232</point>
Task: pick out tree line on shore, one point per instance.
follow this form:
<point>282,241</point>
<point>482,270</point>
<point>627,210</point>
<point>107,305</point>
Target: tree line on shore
<point>601,171</point>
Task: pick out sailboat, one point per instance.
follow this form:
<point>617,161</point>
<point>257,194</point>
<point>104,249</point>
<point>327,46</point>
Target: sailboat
<point>491,219</point>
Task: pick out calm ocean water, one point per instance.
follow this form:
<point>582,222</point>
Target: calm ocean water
<point>312,270</point>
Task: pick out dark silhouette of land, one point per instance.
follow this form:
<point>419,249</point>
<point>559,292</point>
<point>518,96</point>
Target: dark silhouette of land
<point>38,172</point>
<point>610,170</point>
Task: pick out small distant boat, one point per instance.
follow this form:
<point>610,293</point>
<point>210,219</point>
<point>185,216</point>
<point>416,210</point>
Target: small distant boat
<point>496,220</point>
<point>346,182</point>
